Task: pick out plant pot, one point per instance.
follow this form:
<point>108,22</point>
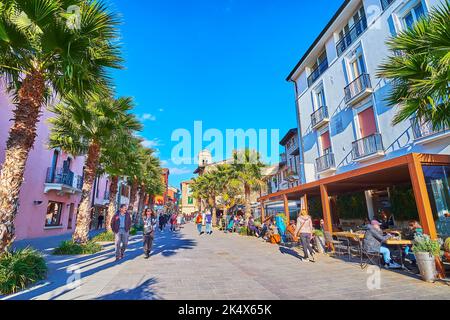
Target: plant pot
<point>427,266</point>
<point>319,241</point>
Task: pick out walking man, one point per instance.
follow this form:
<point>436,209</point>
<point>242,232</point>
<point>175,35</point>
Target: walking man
<point>100,221</point>
<point>150,221</point>
<point>121,225</point>
<point>208,223</point>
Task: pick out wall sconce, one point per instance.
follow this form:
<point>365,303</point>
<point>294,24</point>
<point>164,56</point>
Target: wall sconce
<point>37,202</point>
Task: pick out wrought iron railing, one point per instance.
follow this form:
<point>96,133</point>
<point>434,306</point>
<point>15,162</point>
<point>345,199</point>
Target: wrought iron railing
<point>325,162</point>
<point>367,146</point>
<point>386,3</point>
<point>422,129</point>
<point>357,86</point>
<point>319,115</point>
<point>64,177</point>
<point>315,74</point>
<point>355,31</point>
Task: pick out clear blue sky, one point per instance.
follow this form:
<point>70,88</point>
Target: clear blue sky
<point>223,62</point>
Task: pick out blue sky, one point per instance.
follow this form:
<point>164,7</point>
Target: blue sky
<point>222,62</point>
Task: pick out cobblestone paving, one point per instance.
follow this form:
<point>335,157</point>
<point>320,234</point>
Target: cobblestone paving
<point>221,266</point>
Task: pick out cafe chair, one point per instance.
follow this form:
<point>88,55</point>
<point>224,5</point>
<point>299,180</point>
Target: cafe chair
<point>338,247</point>
<point>374,258</point>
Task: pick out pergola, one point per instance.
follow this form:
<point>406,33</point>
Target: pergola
<point>400,170</point>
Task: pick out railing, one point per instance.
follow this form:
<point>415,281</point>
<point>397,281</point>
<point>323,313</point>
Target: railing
<point>325,162</point>
<point>315,74</point>
<point>422,129</point>
<point>386,3</point>
<point>356,30</point>
<point>64,177</point>
<point>367,146</point>
<point>319,115</point>
<point>357,86</point>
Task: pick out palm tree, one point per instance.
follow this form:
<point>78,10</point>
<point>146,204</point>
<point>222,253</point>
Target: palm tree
<point>228,186</point>
<point>118,158</point>
<point>81,127</point>
<point>247,168</point>
<point>42,48</point>
<point>150,181</point>
<point>420,70</point>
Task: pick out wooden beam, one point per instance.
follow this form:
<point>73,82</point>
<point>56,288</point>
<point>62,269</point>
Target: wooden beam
<point>421,196</point>
<point>286,208</point>
<point>328,226</point>
<point>305,202</point>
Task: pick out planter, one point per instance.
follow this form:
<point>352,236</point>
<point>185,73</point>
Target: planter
<point>427,266</point>
<point>319,241</point>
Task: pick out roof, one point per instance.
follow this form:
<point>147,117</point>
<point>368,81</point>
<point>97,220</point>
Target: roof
<point>288,135</point>
<point>305,55</point>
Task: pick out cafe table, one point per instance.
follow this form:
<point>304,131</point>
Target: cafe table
<point>398,244</point>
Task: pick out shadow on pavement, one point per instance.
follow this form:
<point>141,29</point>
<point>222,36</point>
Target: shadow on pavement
<point>63,269</point>
<point>142,292</point>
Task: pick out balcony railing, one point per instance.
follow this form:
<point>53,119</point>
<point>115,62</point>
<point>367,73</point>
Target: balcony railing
<point>325,162</point>
<point>64,177</point>
<point>357,86</point>
<point>315,74</point>
<point>356,30</point>
<point>422,129</point>
<point>318,116</point>
<point>386,3</point>
<point>367,146</point>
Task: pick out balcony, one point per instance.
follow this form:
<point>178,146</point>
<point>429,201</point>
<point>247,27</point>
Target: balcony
<point>326,163</point>
<point>358,89</point>
<point>317,72</point>
<point>356,30</point>
<point>63,181</point>
<point>368,148</point>
<point>424,132</point>
<point>386,3</point>
<point>319,117</point>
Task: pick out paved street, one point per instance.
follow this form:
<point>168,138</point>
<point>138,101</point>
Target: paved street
<point>222,266</point>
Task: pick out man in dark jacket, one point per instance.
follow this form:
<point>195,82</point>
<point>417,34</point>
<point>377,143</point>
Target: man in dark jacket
<point>372,243</point>
<point>121,225</point>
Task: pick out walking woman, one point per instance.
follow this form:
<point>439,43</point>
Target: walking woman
<point>305,229</point>
<point>199,222</point>
<point>150,221</point>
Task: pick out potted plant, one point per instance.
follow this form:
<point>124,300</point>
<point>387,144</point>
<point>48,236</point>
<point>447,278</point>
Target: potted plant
<point>447,249</point>
<point>426,250</point>
<point>319,240</point>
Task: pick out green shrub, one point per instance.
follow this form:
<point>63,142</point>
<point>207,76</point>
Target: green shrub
<point>447,245</point>
<point>423,243</point>
<point>71,248</point>
<point>135,229</point>
<point>107,236</point>
<point>243,231</point>
<point>19,269</point>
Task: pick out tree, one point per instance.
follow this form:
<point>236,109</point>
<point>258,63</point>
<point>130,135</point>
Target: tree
<point>420,70</point>
<point>85,127</point>
<point>230,189</point>
<point>150,181</point>
<point>247,168</point>
<point>118,158</point>
<point>44,49</point>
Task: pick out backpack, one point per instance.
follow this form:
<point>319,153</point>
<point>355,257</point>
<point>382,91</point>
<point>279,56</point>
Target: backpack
<point>199,219</point>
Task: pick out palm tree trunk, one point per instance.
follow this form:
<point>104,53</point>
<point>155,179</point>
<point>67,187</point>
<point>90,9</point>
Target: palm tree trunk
<point>248,209</point>
<point>20,141</point>
<point>112,209</point>
<point>133,193</point>
<point>141,200</point>
<point>214,212</point>
<point>83,222</point>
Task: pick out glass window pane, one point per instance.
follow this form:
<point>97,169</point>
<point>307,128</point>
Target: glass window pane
<point>418,10</point>
<point>409,20</point>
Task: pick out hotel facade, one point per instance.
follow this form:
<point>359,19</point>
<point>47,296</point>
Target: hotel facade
<point>346,138</point>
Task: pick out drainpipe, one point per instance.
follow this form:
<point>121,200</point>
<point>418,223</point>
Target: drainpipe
<point>300,136</point>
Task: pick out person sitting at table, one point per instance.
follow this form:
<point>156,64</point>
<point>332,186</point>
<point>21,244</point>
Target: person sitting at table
<point>373,241</point>
<point>290,232</point>
<point>414,228</point>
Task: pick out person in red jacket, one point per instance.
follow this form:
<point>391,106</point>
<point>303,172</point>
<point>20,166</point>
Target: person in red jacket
<point>121,225</point>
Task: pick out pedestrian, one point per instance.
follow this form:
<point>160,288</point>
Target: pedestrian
<point>100,219</point>
<point>199,223</point>
<point>173,222</point>
<point>208,223</point>
<point>149,219</point>
<point>161,221</point>
<point>179,221</point>
<point>121,225</point>
<point>305,229</point>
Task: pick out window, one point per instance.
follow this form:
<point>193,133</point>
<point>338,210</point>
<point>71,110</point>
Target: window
<point>53,217</point>
<point>190,200</point>
<point>413,15</point>
<point>325,142</point>
<point>53,167</point>
<point>71,212</point>
<point>319,98</point>
<point>367,125</point>
<point>356,65</point>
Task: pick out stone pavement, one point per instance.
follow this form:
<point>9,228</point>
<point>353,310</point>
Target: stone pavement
<point>222,266</point>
